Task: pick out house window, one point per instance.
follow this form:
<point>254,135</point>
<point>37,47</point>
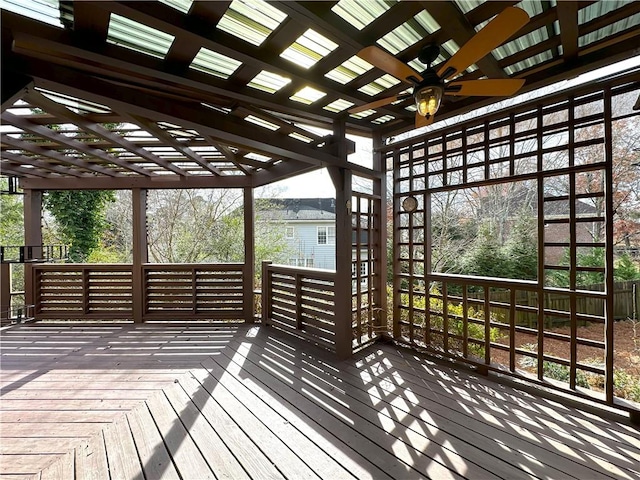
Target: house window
<point>289,233</point>
<point>326,235</point>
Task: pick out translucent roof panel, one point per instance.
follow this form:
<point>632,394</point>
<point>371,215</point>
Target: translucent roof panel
<point>410,32</point>
<point>338,105</point>
<point>261,122</point>
<point>383,119</point>
<point>467,5</point>
<point>521,43</point>
<point>364,114</point>
<point>308,49</point>
<point>599,9</point>
<point>251,20</point>
<point>215,63</point>
<point>181,5</point>
<point>379,85</point>
<point>621,25</point>
<point>307,95</point>
<point>137,36</point>
<point>361,13</point>
<point>349,69</point>
<point>529,62</point>
<point>269,82</point>
<point>45,11</point>
<point>74,103</point>
<point>302,138</point>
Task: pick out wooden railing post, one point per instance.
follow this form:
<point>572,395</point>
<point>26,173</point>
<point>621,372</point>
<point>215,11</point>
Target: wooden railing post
<point>32,236</point>
<point>5,291</point>
<point>248,277</point>
<point>266,292</point>
<point>140,255</point>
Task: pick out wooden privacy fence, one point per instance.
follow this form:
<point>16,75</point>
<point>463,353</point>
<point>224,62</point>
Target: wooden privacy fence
<point>626,298</point>
<point>170,292</point>
<point>300,301</point>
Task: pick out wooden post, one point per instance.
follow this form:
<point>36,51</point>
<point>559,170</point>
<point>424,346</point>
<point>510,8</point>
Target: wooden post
<point>140,255</point>
<point>248,276</point>
<point>380,255</point>
<point>266,292</point>
<point>341,178</point>
<point>5,291</point>
<point>32,236</point>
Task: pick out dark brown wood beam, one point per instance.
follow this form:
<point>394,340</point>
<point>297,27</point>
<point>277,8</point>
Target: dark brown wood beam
<point>9,168</point>
<point>90,24</point>
<point>568,19</point>
<point>14,87</point>
<point>125,183</point>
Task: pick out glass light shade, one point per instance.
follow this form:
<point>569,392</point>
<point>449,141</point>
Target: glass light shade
<point>428,100</point>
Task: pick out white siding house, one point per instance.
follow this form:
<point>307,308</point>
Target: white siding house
<point>309,228</point>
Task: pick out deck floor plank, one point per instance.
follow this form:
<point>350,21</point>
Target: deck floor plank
<point>239,442</point>
<point>91,459</point>
<point>270,413</point>
<point>121,451</point>
<point>220,459</point>
<point>152,452</point>
<point>169,401</point>
<point>183,450</point>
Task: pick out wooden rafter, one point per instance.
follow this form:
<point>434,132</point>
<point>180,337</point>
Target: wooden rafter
<point>568,19</point>
<point>115,139</point>
<point>59,139</point>
<point>18,159</point>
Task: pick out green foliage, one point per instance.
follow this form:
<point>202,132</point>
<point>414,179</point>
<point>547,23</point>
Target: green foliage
<point>11,218</point>
<point>625,269</point>
<point>80,216</point>
<point>626,385</point>
<point>455,322</point>
<point>517,258</point>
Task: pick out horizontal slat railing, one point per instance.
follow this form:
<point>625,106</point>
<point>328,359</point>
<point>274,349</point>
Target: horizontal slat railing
<point>170,292</point>
<point>83,291</point>
<point>300,301</point>
<point>178,291</point>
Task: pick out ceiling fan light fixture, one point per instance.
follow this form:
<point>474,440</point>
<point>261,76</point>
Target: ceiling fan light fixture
<point>428,100</point>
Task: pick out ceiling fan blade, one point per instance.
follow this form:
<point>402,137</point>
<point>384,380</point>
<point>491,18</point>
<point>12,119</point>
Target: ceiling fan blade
<point>390,64</point>
<point>378,103</point>
<point>423,121</point>
<point>505,24</point>
<point>502,87</point>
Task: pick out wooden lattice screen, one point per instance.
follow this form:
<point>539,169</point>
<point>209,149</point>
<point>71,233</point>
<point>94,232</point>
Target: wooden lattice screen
<point>553,162</point>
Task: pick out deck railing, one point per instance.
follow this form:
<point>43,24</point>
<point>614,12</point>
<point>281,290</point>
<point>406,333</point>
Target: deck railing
<point>170,291</point>
<point>300,301</point>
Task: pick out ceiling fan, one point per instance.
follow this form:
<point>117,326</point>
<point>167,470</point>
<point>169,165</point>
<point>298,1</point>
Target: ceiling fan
<point>430,86</point>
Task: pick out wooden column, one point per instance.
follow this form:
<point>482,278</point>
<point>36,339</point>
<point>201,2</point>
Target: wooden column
<point>32,236</point>
<point>5,291</point>
<point>140,254</point>
<point>341,178</point>
<point>380,243</point>
<point>248,275</point>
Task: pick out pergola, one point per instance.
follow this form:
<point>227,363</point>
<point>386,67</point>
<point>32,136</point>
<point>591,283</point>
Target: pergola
<point>222,94</point>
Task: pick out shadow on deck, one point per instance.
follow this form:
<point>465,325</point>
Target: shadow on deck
<point>208,401</point>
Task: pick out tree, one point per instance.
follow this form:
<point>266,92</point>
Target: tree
<point>11,217</point>
<point>80,218</point>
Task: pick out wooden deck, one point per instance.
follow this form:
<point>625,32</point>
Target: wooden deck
<point>158,401</point>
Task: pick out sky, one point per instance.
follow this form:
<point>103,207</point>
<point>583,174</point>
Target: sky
<point>318,184</point>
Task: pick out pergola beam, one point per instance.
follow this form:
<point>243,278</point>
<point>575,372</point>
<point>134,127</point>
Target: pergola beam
<point>24,160</point>
<point>14,87</point>
<point>568,19</point>
<point>128,182</point>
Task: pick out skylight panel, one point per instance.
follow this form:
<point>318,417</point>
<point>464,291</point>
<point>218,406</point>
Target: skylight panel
<point>261,122</point>
<point>269,82</point>
<point>379,85</point>
<point>521,43</point>
<point>349,69</point>
<point>363,114</point>
<point>599,9</point>
<point>630,22</point>
<point>74,103</point>
<point>338,105</point>
<point>46,11</point>
<point>251,20</point>
<point>300,137</point>
<point>451,47</point>
<point>467,5</point>
<point>359,13</point>
<point>409,33</point>
<point>181,5</point>
<point>137,36</point>
<point>215,63</point>
<point>308,49</point>
<point>383,119</point>
<point>258,157</point>
<point>307,95</point>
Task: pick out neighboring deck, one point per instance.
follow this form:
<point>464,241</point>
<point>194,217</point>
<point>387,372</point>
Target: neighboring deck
<point>204,401</point>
